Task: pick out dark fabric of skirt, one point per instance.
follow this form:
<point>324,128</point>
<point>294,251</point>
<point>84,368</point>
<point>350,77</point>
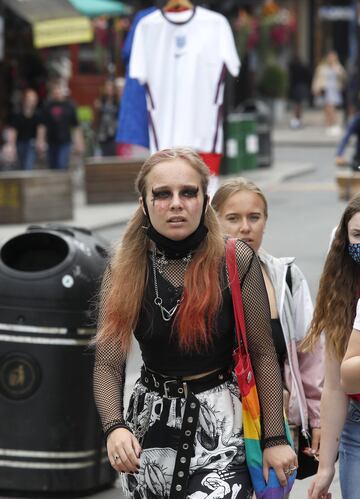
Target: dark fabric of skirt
<point>217,466</point>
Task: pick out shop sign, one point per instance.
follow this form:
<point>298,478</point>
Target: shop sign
<point>336,13</point>
<point>64,31</point>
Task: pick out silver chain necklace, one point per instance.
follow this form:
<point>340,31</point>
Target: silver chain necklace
<point>165,313</point>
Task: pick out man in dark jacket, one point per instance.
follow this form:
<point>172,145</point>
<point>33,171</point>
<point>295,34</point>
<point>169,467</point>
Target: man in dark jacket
<point>59,128</point>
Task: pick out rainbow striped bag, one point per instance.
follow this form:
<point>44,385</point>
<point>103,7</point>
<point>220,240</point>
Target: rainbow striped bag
<point>249,396</point>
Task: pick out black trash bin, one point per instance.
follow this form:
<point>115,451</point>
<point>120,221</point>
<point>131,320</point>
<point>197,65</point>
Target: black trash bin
<point>264,128</point>
<point>50,434</point>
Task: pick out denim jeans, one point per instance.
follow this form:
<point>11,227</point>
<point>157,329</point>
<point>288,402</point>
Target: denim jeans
<point>59,156</point>
<point>26,154</point>
<point>349,452</point>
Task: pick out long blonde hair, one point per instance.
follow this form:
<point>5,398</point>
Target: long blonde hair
<point>338,291</point>
<point>124,284</point>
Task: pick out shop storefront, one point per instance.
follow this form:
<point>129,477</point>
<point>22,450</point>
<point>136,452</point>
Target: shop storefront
<point>64,39</point>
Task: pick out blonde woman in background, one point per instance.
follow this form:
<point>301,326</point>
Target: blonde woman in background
<point>327,86</point>
<point>243,211</point>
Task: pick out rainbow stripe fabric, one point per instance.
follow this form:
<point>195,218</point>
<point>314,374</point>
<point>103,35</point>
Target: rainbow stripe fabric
<point>252,433</point>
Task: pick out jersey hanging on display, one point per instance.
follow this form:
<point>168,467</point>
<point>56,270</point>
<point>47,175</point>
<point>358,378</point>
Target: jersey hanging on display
<point>181,58</point>
<point>132,122</point>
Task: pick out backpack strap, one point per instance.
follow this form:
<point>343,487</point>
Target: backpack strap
<point>288,278</point>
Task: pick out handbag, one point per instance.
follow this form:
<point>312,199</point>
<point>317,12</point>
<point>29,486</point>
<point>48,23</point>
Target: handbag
<point>307,463</point>
<point>249,396</point>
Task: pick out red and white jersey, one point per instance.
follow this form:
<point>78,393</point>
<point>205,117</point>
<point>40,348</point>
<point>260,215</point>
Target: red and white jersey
<point>181,57</point>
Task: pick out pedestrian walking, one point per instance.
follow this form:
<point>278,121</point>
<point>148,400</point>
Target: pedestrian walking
<point>59,128</point>
<point>22,131</point>
<point>334,314</point>
<point>299,89</point>
<point>166,285</point>
<point>105,122</point>
<point>327,86</point>
<point>242,210</point>
<point>353,128</point>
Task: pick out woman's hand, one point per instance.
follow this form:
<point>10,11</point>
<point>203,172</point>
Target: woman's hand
<point>320,485</point>
<point>123,451</point>
<point>282,459</point>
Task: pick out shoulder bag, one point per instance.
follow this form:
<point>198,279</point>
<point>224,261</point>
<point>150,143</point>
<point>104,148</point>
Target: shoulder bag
<point>249,396</point>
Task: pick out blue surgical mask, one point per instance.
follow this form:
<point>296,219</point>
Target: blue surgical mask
<point>354,252</point>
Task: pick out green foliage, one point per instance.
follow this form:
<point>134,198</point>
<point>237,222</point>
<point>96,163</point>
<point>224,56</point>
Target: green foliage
<point>273,81</point>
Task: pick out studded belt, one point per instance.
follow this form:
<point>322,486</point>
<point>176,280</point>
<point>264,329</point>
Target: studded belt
<point>186,389</point>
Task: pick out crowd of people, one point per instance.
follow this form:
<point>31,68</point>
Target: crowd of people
<point>52,131</point>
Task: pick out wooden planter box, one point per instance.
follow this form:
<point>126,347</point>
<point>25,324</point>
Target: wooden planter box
<point>111,179</point>
<point>348,183</point>
<point>35,196</point>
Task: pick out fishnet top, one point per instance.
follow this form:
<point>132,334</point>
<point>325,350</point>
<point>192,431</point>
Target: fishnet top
<point>110,364</point>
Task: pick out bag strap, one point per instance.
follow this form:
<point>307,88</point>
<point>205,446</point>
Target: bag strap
<point>289,278</point>
<point>236,295</point>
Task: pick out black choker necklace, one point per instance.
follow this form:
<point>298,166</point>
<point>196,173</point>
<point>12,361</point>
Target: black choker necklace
<point>177,249</point>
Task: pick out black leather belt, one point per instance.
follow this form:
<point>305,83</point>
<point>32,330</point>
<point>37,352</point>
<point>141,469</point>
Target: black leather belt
<point>179,388</point>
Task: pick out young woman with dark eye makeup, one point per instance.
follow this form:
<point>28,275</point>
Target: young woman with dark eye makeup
<point>166,286</point>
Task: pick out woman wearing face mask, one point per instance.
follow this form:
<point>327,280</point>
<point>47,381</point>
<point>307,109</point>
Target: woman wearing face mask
<point>334,315</point>
<point>242,210</point>
<point>166,286</point>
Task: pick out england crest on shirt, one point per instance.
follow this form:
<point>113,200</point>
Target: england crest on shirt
<point>180,41</point>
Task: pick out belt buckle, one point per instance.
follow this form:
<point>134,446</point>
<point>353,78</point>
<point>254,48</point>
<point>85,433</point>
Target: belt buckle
<point>182,392</point>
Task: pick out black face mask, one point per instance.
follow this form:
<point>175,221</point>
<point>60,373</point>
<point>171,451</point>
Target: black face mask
<point>177,249</point>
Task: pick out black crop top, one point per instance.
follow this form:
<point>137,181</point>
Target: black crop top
<point>161,352</point>
<point>279,341</point>
<point>158,343</point>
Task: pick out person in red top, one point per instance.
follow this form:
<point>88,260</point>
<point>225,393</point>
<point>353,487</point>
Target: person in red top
<point>334,315</point>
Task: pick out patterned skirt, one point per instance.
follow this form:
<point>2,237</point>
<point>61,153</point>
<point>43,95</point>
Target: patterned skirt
<point>217,466</point>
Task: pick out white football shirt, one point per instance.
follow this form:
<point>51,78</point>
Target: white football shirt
<point>181,59</point>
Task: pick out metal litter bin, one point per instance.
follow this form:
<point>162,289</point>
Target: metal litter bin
<point>51,439</point>
<point>263,129</point>
<point>241,142</point>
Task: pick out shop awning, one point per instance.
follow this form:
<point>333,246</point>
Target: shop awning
<point>94,8</point>
<point>41,10</point>
<point>55,22</point>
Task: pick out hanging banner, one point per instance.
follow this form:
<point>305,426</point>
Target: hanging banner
<point>64,31</point>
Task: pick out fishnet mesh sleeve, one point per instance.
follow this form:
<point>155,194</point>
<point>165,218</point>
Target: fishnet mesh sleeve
<point>109,378</point>
<point>261,346</point>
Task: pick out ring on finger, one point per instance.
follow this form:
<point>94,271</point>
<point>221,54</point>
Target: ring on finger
<point>289,471</point>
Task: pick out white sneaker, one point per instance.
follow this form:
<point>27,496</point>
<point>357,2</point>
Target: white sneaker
<point>333,131</point>
<point>295,123</point>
